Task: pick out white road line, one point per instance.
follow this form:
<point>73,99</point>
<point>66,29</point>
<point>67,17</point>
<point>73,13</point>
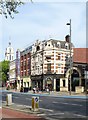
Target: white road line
<point>77,104</point>
<point>19,105</point>
<point>41,114</point>
<point>67,103</point>
<point>46,109</point>
<point>79,115</point>
<point>55,102</point>
<point>71,104</point>
<point>16,97</point>
<point>57,114</point>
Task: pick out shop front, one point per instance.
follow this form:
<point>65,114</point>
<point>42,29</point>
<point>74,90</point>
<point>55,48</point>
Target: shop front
<point>37,82</point>
<point>52,82</point>
<point>27,82</point>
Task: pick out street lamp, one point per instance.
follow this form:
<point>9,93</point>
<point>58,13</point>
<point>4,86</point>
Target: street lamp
<point>70,55</point>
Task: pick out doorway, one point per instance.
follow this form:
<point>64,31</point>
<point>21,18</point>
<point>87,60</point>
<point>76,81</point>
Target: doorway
<point>74,80</point>
<point>57,84</point>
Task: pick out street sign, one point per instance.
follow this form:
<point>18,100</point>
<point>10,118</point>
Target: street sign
<point>36,99</point>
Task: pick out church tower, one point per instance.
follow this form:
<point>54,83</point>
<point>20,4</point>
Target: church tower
<point>9,54</point>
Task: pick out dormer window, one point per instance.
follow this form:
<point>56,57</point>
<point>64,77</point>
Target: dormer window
<point>38,48</point>
<point>66,46</point>
<point>58,44</point>
<point>48,44</point>
<point>45,44</point>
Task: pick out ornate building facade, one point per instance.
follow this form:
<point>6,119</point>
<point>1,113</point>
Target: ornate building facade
<point>12,73</point>
<point>49,61</point>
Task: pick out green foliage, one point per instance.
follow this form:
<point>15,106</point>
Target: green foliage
<point>4,65</point>
<point>8,7</point>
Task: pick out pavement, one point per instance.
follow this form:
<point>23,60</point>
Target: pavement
<point>11,113</point>
<point>53,94</point>
<point>20,111</point>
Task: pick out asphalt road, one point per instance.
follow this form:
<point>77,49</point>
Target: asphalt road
<point>54,107</point>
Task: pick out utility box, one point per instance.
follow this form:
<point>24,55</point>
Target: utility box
<point>35,103</point>
<point>9,99</point>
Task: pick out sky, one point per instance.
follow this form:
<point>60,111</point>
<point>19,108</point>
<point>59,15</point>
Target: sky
<point>44,20</point>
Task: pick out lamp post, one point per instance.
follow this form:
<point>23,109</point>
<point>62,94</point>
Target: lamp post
<point>70,56</point>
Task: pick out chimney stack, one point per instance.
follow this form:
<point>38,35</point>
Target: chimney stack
<point>67,38</point>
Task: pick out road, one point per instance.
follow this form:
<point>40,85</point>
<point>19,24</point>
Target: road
<point>54,107</point>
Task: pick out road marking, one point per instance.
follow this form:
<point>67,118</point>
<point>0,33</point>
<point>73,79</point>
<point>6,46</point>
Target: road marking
<point>56,114</point>
<point>55,102</point>
<point>71,104</point>
<point>46,109</point>
<point>41,114</point>
<point>79,115</point>
<point>16,97</point>
<point>67,103</point>
<point>77,104</point>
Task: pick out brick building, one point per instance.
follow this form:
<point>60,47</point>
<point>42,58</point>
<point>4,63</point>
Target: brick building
<point>47,63</point>
<point>80,60</point>
<point>25,67</point>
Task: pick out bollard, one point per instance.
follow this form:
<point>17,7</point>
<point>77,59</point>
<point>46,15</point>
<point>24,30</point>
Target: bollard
<point>35,103</point>
<point>9,99</point>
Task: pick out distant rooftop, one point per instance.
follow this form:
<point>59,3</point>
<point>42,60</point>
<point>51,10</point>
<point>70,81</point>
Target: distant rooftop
<point>80,55</point>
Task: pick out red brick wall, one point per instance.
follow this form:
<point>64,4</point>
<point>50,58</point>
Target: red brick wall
<point>80,55</point>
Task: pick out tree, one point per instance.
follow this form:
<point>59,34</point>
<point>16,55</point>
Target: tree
<point>8,7</point>
<point>4,69</point>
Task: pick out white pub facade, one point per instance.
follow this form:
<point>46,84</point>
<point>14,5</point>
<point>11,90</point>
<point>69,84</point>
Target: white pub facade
<point>49,62</point>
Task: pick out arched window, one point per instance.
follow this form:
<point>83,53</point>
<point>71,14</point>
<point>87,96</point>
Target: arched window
<point>38,48</point>
<point>58,44</point>
<point>10,50</point>
<point>66,46</point>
